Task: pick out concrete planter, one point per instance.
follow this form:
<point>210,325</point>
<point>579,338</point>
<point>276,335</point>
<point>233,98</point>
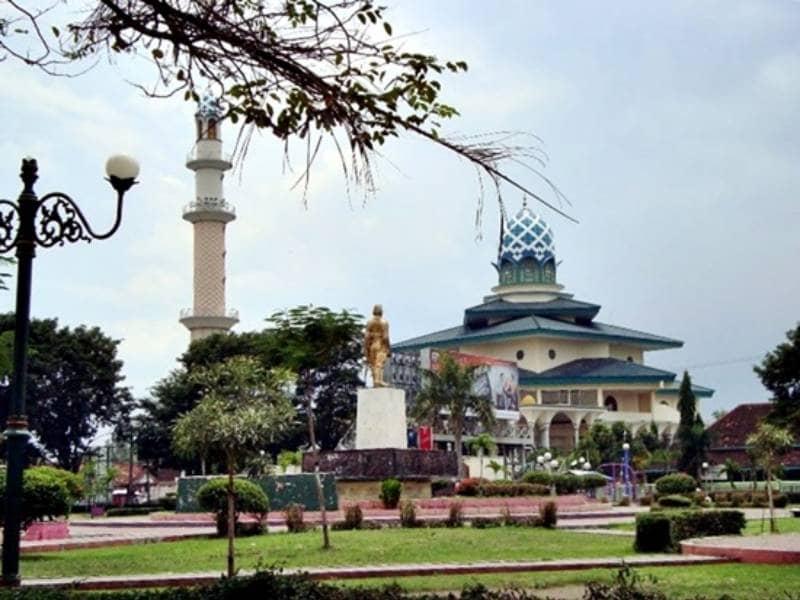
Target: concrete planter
<point>46,530</point>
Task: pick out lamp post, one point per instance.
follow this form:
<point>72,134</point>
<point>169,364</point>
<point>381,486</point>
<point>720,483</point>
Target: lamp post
<point>703,471</point>
<point>53,219</point>
<point>626,461</point>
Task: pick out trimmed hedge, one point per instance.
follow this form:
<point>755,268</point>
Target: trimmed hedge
<point>566,483</point>
<point>748,499</point>
<point>663,531</point>
<point>390,492</point>
<point>250,498</point>
<point>675,501</point>
<point>45,494</point>
<point>676,483</point>
<point>130,511</point>
<point>538,477</point>
<point>513,489</point>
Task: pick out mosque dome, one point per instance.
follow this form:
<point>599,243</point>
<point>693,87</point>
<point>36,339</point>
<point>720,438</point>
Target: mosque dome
<point>527,250</point>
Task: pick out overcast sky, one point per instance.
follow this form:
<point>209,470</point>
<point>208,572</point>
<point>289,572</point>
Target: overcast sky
<point>671,127</point>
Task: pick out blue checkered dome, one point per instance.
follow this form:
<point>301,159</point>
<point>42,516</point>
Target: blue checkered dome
<point>526,235</point>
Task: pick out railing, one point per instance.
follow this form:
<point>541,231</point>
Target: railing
<point>208,153</point>
<point>580,398</point>
<point>210,204</point>
<point>231,313</point>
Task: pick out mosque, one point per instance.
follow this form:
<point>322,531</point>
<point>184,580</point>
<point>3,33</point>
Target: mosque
<point>560,369</point>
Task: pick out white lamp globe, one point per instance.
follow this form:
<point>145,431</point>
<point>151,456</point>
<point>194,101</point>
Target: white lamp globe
<point>573,463</point>
<point>626,446</point>
<point>581,460</point>
<point>540,460</point>
<point>547,456</point>
<point>554,463</point>
<point>122,166</point>
<point>587,466</point>
<point>705,465</point>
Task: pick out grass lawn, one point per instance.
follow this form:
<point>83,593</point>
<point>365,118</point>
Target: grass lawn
<point>744,582</point>
<point>387,546</point>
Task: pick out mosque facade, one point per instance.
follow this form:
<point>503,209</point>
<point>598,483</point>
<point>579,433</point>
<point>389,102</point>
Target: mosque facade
<point>570,368</point>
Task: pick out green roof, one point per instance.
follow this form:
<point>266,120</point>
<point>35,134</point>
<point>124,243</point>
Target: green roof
<point>673,388</point>
<point>536,326</point>
<point>595,370</point>
<point>503,310</point>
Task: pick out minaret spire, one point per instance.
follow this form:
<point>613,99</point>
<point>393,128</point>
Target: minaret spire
<point>208,213</point>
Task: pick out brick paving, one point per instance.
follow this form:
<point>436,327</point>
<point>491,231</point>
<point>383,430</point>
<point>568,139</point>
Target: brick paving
<point>372,571</point>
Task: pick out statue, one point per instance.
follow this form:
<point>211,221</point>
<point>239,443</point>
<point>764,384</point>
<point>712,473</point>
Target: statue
<point>376,345</point>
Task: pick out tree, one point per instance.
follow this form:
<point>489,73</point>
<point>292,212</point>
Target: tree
<point>766,446</point>
<point>74,387</point>
<point>449,389</point>
<point>692,435</point>
<point>481,445</point>
<point>243,407</point>
<point>780,374</point>
<point>324,349</point>
<point>300,69</point>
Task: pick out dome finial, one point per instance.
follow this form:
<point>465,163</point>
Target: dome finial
<point>524,201</point>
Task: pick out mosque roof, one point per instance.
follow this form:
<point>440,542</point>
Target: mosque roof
<point>672,389</point>
<point>595,370</point>
<point>534,325</point>
<point>526,235</point>
<point>209,107</point>
<point>499,310</point>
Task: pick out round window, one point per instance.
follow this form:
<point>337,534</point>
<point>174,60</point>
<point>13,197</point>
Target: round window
<point>551,353</point>
<point>520,354</point>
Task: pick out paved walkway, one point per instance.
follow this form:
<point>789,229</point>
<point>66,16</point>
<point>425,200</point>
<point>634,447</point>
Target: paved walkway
<point>777,548</point>
<point>372,571</point>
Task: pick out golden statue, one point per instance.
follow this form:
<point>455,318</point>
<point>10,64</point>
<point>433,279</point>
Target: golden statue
<point>376,345</point>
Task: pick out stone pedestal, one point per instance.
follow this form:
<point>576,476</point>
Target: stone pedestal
<point>381,418</point>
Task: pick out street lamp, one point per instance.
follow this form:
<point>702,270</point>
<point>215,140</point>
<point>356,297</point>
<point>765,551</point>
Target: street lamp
<point>704,470</point>
<point>626,461</point>
<point>53,219</point>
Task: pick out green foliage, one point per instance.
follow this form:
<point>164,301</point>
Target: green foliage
<point>130,511</point>
<point>663,531</point>
<point>780,374</point>
<point>548,513</point>
<point>676,483</point>
<point>482,445</point>
<point>692,437</point>
<point>675,501</point>
<point>408,514</point>
<point>249,498</point>
<point>73,482</point>
<point>508,488</point>
<point>93,482</point>
<point>450,388</point>
<point>566,483</point>
<point>288,458</point>
<point>390,492</point>
<point>74,387</point>
<point>44,494</point>
<point>293,516</point>
<point>538,477</point>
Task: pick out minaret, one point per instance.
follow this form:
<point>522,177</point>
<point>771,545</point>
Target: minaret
<point>209,213</point>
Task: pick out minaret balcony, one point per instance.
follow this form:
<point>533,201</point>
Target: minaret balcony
<point>192,319</point>
<point>206,155</point>
<point>209,209</point>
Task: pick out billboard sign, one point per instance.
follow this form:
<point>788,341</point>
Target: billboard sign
<point>496,378</point>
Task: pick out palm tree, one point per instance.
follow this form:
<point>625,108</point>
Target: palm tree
<point>449,389</point>
<point>481,446</point>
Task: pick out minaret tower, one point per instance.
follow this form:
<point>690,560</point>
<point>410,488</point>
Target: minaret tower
<point>209,213</point>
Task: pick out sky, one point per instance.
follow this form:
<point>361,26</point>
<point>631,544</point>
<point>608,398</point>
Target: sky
<point>671,127</point>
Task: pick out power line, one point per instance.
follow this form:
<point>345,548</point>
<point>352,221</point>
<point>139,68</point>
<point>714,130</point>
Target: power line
<point>721,363</point>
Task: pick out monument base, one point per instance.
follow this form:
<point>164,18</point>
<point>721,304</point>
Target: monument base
<point>381,418</point>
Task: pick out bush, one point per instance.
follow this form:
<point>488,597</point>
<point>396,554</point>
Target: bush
<point>646,500</point>
<point>442,487</point>
<point>548,513</point>
<point>675,501</point>
<point>287,458</point>
<point>486,522</point>
<point>293,516</point>
<point>390,493</point>
<point>526,522</point>
<point>130,511</point>
<point>662,532</point>
<point>537,477</point>
<point>471,486</point>
<point>353,517</point>
<point>676,483</point>
<point>408,514</point>
<point>44,495</point>
<point>249,498</point>
<point>513,489</point>
<point>592,481</point>
<point>780,501</point>
<point>455,515</point>
<point>566,483</point>
<point>72,481</point>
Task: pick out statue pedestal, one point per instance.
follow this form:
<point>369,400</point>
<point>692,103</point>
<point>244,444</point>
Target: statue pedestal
<point>381,418</point>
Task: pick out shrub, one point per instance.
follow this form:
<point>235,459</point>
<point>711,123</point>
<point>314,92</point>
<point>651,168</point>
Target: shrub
<point>469,486</point>
<point>293,516</point>
<point>538,477</point>
<point>408,514</point>
<point>130,511</point>
<point>353,517</point>
<point>548,513</point>
<point>526,522</point>
<point>505,515</point>
<point>662,532</point>
<point>592,481</point>
<point>390,493</point>
<point>674,501</point>
<point>653,533</point>
<point>780,501</point>
<point>442,487</point>
<point>676,483</point>
<point>44,495</point>
<point>646,500</point>
<point>513,489</point>
<point>566,483</point>
<point>72,481</point>
<point>287,458</point>
<point>486,522</point>
<point>455,515</point>
<point>624,501</point>
<point>249,498</point>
